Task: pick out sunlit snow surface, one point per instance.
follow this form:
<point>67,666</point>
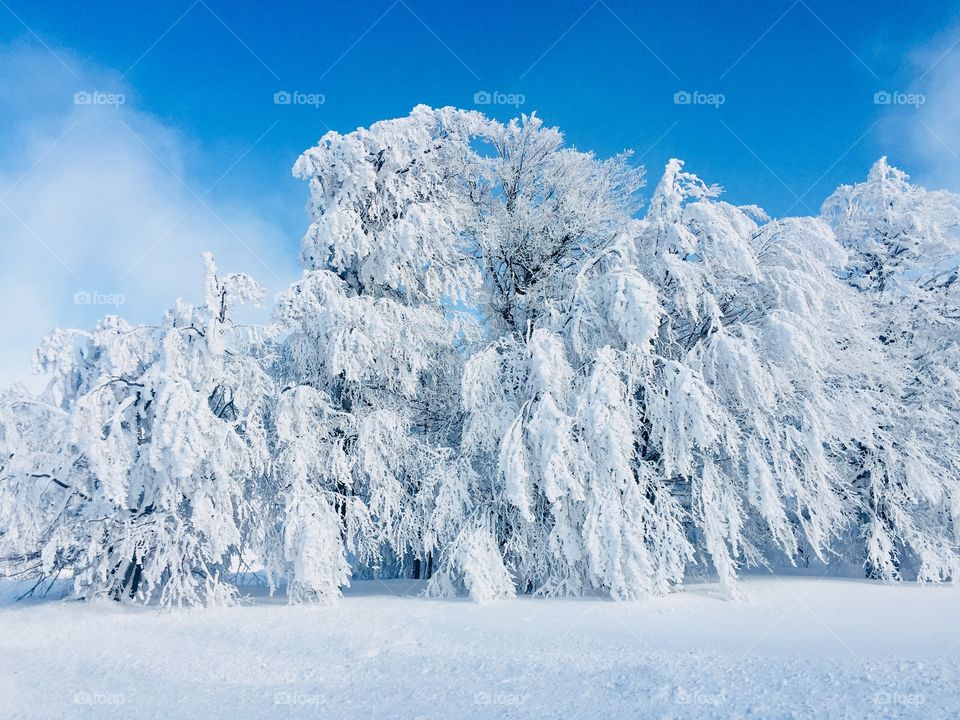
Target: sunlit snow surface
<point>794,647</point>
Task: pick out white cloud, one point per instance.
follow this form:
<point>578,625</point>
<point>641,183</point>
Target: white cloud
<point>97,206</point>
<point>924,138</point>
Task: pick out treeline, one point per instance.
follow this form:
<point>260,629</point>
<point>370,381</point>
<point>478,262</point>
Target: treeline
<point>501,372</point>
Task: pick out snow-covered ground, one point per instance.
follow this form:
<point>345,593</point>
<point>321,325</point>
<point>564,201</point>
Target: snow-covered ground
<point>795,647</point>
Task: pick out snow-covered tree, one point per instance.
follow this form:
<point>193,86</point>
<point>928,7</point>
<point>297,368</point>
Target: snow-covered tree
<point>377,329</point>
<point>551,498</point>
<point>765,363</point>
<point>157,456</point>
<point>905,248</point>
<point>418,219</point>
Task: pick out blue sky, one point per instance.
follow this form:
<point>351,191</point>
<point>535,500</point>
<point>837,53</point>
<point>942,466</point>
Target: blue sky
<point>117,201</point>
